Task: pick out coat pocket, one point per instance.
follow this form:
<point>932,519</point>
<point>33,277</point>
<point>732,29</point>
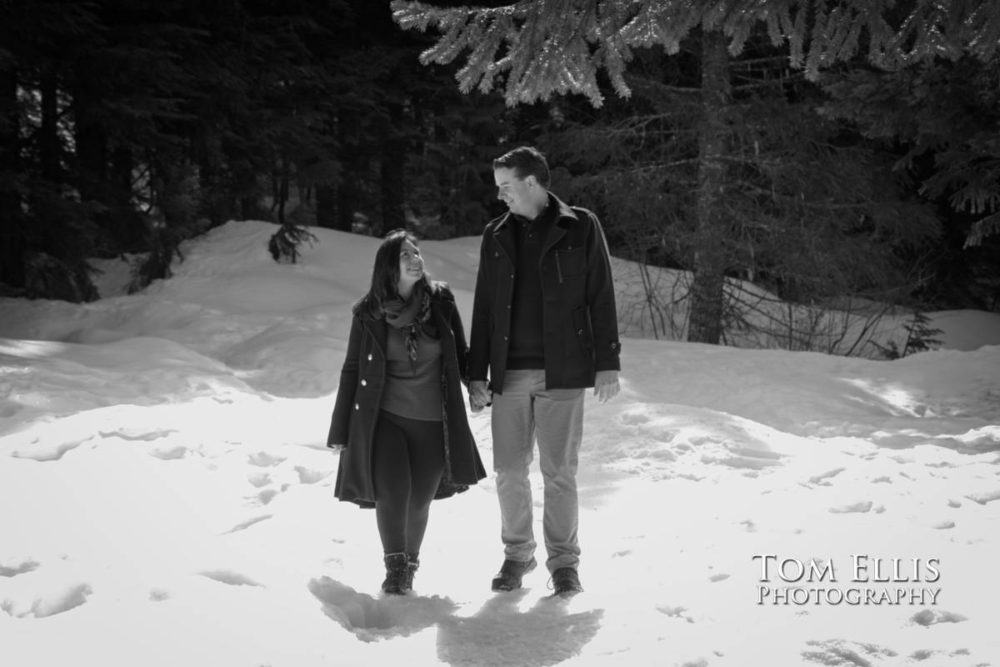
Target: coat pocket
<point>582,329</point>
<point>571,263</point>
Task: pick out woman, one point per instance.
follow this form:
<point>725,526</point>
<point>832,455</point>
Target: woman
<point>399,418</point>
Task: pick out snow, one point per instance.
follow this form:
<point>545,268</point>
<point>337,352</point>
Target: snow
<point>168,497</point>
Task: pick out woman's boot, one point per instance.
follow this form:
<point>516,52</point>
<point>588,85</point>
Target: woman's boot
<point>397,574</point>
<point>412,565</point>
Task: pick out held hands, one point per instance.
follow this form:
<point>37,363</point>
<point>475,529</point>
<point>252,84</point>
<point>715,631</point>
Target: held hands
<point>480,395</point>
<point>606,385</point>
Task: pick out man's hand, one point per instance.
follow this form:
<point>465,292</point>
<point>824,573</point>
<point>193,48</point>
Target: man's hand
<point>479,395</point>
<point>606,385</point>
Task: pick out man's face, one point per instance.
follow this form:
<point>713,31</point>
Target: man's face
<point>513,191</point>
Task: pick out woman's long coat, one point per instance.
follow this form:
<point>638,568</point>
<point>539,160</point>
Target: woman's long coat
<point>359,400</point>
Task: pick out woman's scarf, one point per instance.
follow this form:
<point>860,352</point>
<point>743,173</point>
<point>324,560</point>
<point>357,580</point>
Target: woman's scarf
<point>412,315</point>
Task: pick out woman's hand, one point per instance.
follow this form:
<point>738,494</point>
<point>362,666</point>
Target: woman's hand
<point>480,395</point>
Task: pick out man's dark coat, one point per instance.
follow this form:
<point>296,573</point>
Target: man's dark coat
<point>580,323</point>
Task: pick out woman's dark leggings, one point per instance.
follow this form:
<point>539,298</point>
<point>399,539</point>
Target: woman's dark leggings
<point>408,464</point>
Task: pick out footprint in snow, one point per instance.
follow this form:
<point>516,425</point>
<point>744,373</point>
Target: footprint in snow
<point>633,418</point>
<point>246,524</point>
<point>841,652</point>
<point>929,617</point>
<point>51,453</point>
<point>43,607</point>
<point>307,476</point>
<point>675,612</point>
<point>26,566</point>
<point>265,460</point>
<point>171,454</point>
<point>260,479</point>
<point>229,577</point>
<point>984,498</point>
<point>823,479</point>
<point>856,508</point>
<point>266,496</point>
<point>136,435</point>
<point>667,435</point>
<point>921,655</point>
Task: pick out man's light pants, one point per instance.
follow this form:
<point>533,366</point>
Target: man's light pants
<point>523,413</point>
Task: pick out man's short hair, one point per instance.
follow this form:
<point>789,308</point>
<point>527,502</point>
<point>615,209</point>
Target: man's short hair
<point>525,161</point>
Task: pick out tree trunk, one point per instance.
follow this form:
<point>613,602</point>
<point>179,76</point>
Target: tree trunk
<point>326,206</point>
<point>12,242</point>
<point>91,148</point>
<point>245,192</point>
<point>707,294</point>
<point>348,190</point>
<point>216,202</point>
<point>392,172</point>
<point>128,228</point>
<point>122,164</point>
<point>49,148</point>
<point>347,200</point>
<point>281,192</point>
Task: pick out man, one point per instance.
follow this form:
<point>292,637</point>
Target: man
<point>544,328</point>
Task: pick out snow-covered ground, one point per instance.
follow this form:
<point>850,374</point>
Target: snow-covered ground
<point>167,497</point>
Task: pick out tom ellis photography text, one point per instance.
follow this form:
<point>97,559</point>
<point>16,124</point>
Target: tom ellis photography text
<point>859,579</point>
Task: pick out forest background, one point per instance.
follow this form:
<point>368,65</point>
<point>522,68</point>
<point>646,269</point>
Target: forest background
<point>838,180</point>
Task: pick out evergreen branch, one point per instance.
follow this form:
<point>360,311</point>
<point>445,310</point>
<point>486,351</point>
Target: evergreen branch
<point>556,46</point>
<point>765,60</point>
<point>988,226</point>
<point>795,29</point>
<point>773,83</point>
<point>982,30</point>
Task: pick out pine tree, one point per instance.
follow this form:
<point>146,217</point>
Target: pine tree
<point>12,232</point>
<point>536,49</point>
<point>44,230</point>
<point>921,336</point>
<point>944,115</point>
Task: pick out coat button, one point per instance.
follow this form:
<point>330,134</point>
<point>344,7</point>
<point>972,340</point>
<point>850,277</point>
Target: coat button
<point>369,357</point>
<point>579,332</point>
<point>357,406</point>
<point>364,383</point>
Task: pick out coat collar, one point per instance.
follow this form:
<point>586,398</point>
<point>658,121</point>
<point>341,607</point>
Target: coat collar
<point>565,216</point>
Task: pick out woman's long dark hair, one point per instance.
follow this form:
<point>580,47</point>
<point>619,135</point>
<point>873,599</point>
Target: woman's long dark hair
<point>385,273</point>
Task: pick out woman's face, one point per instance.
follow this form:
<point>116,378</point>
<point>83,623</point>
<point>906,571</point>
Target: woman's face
<point>411,265</point>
